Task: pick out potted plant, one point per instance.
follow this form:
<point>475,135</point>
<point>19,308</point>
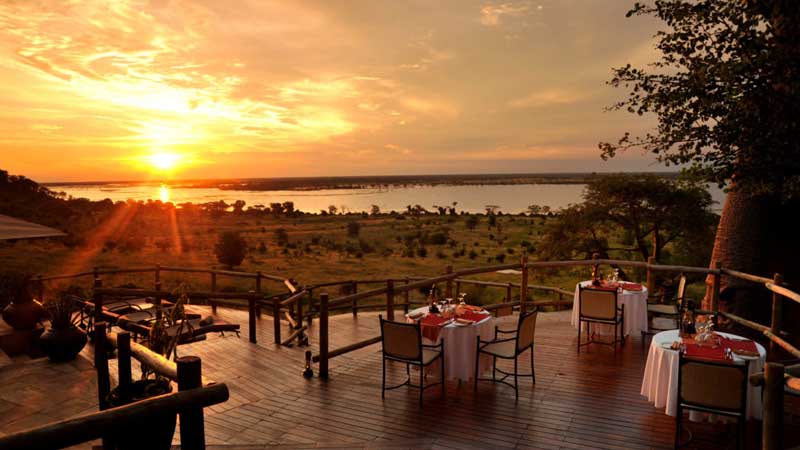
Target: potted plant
<point>63,340</point>
<point>22,311</point>
<point>160,427</point>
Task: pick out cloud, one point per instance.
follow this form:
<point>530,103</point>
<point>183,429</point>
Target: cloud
<point>547,98</point>
<point>492,15</point>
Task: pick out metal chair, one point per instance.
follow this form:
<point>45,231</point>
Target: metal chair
<point>402,342</point>
<point>712,387</point>
<point>600,306</point>
<point>666,310</point>
<point>509,348</point>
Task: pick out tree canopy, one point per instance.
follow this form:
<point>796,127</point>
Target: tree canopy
<point>634,214</point>
<point>726,92</point>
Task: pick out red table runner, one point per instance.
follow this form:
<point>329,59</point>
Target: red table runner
<point>431,326</point>
<point>704,352</point>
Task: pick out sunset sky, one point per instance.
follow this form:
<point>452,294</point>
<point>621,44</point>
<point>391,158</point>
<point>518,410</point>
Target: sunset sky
<point>92,90</point>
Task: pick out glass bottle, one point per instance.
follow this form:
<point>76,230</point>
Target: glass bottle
<point>687,323</point>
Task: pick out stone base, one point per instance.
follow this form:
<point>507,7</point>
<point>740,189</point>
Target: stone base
<point>15,343</point>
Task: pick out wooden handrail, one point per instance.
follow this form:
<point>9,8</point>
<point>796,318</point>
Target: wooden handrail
<point>746,276</point>
<point>125,292</point>
<point>291,300</point>
<point>791,295</point>
<point>92,426</point>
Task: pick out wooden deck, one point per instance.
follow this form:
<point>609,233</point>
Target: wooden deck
<point>586,401</point>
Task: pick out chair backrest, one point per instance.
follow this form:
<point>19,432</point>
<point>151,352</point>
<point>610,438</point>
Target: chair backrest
<point>401,340</point>
<point>505,310</point>
<point>719,386</point>
<point>526,328</point>
<point>598,303</point>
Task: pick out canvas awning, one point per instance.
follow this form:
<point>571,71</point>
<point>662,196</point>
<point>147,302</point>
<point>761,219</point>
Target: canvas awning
<point>11,228</point>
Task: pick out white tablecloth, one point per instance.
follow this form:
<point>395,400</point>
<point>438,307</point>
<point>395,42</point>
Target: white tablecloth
<point>635,311</point>
<point>459,347</point>
<point>660,383</point>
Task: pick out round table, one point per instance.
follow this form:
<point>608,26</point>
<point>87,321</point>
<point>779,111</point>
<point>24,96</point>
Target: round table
<point>660,382</point>
<point>459,346</point>
<point>635,311</point>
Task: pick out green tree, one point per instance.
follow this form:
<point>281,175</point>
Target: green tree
<point>230,249</point>
<point>726,95</point>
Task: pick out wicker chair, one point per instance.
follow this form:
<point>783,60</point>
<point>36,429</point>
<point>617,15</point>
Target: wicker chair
<point>509,348</point>
<point>600,306</point>
<point>666,310</point>
<point>712,387</point>
<point>402,342</point>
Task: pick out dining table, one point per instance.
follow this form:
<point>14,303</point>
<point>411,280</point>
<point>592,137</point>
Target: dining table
<point>632,295</point>
<point>460,340</point>
<point>660,381</point>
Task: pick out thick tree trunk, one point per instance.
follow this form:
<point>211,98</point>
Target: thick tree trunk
<point>757,235</point>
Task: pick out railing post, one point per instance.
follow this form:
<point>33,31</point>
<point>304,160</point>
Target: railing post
<point>508,292</point>
<point>310,319</point>
<point>651,279</point>
<point>716,286</point>
<point>354,290</point>
<point>276,319</point>
<point>389,299</point>
<point>448,293</point>
<point>157,277</point>
<point>407,297</point>
<point>523,287</point>
<point>213,289</point>
<point>251,306</point>
<point>258,291</point>
<point>97,299</point>
<point>323,335</point>
<point>124,366</point>
<point>772,433</point>
<point>777,313</point>
<point>101,364</point>
<point>40,288</point>
<point>192,425</point>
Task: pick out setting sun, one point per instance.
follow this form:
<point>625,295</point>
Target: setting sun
<point>165,161</point>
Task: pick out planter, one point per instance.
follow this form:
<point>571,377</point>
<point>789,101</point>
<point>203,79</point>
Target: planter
<point>157,430</point>
<point>23,316</point>
<point>62,344</point>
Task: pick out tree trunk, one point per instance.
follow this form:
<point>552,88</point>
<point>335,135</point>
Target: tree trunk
<point>757,235</point>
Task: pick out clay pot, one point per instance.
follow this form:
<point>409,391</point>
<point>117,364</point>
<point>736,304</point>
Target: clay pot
<point>62,344</point>
<point>23,315</point>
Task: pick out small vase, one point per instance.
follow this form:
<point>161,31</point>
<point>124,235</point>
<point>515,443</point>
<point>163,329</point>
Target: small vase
<point>62,344</point>
<point>23,316</point>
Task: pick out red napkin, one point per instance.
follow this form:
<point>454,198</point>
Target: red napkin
<point>473,316</point>
<point>705,352</point>
<point>432,326</point>
<point>734,345</point>
<point>631,286</point>
<point>472,308</point>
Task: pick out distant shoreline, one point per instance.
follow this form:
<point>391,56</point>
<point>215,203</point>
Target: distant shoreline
<point>364,182</point>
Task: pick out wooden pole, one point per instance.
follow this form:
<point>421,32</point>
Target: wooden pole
<point>777,312</point>
<point>251,306</point>
<point>192,428</point>
<point>448,293</point>
<point>523,287</point>
<point>157,277</point>
<point>716,286</point>
<point>258,291</point>
<point>101,364</point>
<point>651,279</point>
<point>406,298</point>
<point>323,335</point>
<point>97,299</point>
<point>354,290</point>
<point>276,319</point>
<point>213,289</point>
<point>124,366</point>
<point>772,434</point>
<point>389,299</point>
<point>508,292</point>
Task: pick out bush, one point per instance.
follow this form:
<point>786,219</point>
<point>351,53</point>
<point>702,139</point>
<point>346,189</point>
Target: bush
<point>473,254</point>
<point>438,238</point>
<point>281,236</point>
<point>500,257</point>
<point>422,252</point>
<point>442,255</point>
<point>471,222</point>
<point>262,248</point>
<point>230,249</point>
<point>353,228</point>
<point>133,244</point>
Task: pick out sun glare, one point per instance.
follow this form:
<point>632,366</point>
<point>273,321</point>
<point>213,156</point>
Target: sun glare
<point>165,161</point>
<point>163,193</point>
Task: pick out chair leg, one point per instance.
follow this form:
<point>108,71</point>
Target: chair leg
<point>421,384</point>
<point>580,325</point>
<point>516,380</point>
<point>444,390</point>
<point>383,380</point>
<point>477,362</point>
<point>533,372</point>
<point>678,426</point>
<point>494,368</point>
<point>742,432</point>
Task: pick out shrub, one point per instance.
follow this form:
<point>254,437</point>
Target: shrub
<point>262,248</point>
<point>500,257</point>
<point>442,255</point>
<point>422,252</point>
<point>473,254</point>
<point>230,249</point>
<point>353,228</point>
<point>281,236</point>
<point>471,222</point>
<point>438,238</point>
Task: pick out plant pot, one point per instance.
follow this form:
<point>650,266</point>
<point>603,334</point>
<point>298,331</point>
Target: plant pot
<point>62,344</point>
<point>24,315</point>
<point>154,432</point>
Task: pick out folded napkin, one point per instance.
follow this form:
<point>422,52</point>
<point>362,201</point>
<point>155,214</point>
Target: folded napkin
<point>432,325</point>
<point>741,347</point>
<point>631,286</point>
<point>471,308</point>
<point>705,352</point>
<point>472,316</point>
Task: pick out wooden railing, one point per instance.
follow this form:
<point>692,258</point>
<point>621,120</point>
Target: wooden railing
<point>194,393</point>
